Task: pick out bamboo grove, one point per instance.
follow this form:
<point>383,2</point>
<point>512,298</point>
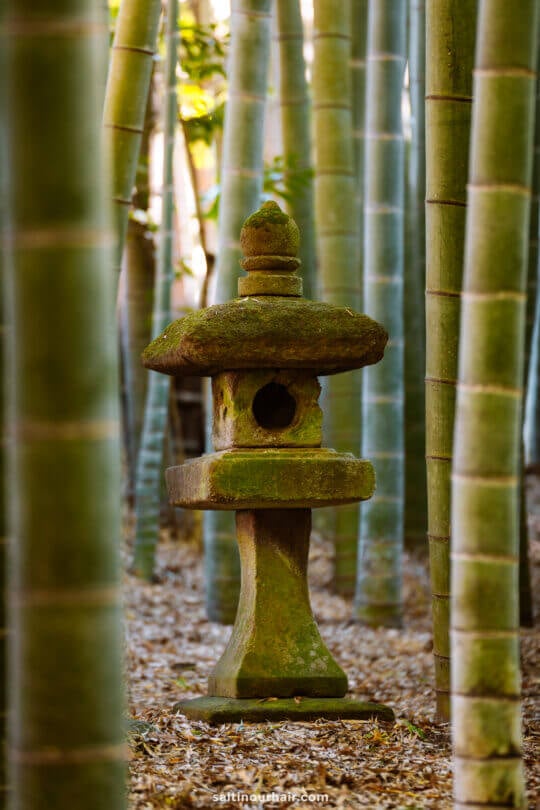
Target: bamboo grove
<point>408,138</point>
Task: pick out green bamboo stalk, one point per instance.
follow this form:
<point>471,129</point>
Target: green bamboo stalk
<point>104,67</point>
<point>415,273</point>
<point>486,706</point>
<point>3,539</point>
<point>295,108</point>
<point>532,271</point>
<point>532,427</point>
<point>241,187</point>
<point>128,82</point>
<point>450,27</point>
<point>136,290</point>
<point>135,301</point>
<point>337,246</point>
<point>4,326</point>
<point>241,172</point>
<point>359,16</point>
<point>526,611</point>
<point>378,598</point>
<point>359,26</point>
<point>532,333</point>
<point>532,431</point>
<point>66,728</point>
<point>150,458</point>
<point>348,516</point>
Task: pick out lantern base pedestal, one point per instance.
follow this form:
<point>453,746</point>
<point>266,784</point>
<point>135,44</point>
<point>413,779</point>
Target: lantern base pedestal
<point>258,710</point>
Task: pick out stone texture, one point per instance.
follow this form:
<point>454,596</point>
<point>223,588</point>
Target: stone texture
<point>264,352</point>
<point>270,479</point>
<point>275,649</point>
<point>270,240</point>
<point>230,710</point>
<point>267,332</point>
<point>248,411</point>
<point>266,284</point>
<point>269,232</point>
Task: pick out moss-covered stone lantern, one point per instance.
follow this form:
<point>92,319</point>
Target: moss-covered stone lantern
<point>264,352</point>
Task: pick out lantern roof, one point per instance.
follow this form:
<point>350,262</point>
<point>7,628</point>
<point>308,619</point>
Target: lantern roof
<point>270,325</point>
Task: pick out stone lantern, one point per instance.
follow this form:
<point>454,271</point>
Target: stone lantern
<point>264,352</point>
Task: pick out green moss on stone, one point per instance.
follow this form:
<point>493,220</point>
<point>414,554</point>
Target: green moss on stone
<point>270,479</point>
<point>235,423</point>
<point>269,212</point>
<point>232,710</point>
<point>269,231</point>
<point>275,648</point>
<point>267,332</point>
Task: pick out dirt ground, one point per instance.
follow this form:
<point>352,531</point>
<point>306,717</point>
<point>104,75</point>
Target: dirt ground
<point>177,764</point>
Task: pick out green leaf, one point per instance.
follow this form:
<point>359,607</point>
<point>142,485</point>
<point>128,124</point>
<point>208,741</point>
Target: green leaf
<point>412,728</point>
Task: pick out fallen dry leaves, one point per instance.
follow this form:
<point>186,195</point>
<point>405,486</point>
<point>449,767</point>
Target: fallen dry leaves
<point>178,764</point>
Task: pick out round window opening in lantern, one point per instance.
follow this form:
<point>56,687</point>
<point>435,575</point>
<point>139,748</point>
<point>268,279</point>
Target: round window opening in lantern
<point>274,407</point>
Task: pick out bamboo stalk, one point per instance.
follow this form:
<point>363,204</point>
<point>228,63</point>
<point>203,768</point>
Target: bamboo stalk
<point>4,327</point>
<point>241,173</point>
<point>3,552</point>
<point>415,273</point>
<point>337,245</point>
<point>348,516</point>
<point>526,612</point>
<point>532,272</point>
<point>66,728</point>
<point>135,295</point>
<point>532,432</point>
<point>156,411</point>
<point>201,221</point>
<point>450,26</point>
<point>241,187</point>
<point>136,289</point>
<point>378,598</point>
<point>486,704</point>
<point>531,451</point>
<point>295,109</point>
<point>359,12</point>
<point>532,330</point>
<point>128,83</point>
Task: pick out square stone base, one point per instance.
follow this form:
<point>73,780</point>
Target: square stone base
<point>254,710</point>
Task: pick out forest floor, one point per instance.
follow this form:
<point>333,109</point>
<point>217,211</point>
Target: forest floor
<point>176,763</point>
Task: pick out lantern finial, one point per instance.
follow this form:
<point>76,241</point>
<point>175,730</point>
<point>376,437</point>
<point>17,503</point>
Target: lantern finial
<point>270,239</point>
